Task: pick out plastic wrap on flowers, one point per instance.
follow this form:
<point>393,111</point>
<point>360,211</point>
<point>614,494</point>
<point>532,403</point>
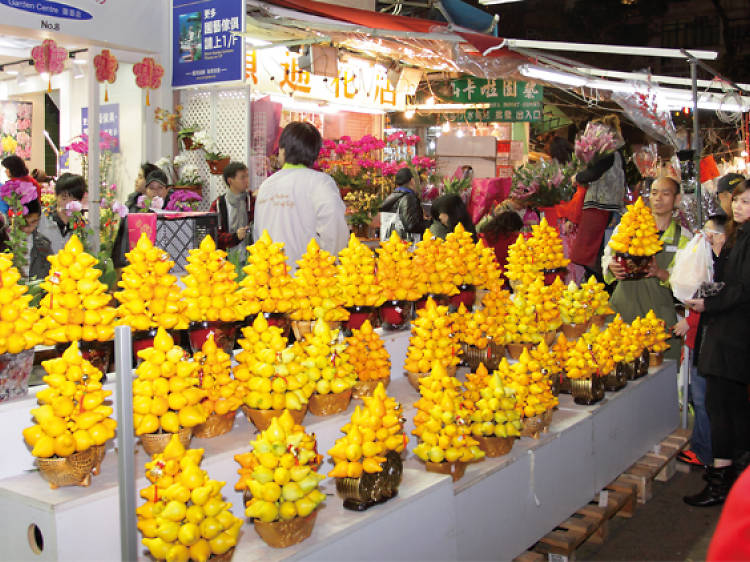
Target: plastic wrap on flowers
<point>649,111</point>
<point>687,209</point>
<point>646,160</point>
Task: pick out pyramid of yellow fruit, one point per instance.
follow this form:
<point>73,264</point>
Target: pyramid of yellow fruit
<point>496,301</point>
<point>369,359</point>
<point>211,290</point>
<point>574,305</point>
<point>72,416</point>
<point>653,332</point>
<point>616,338</point>
<point>166,391</point>
<point>267,285</point>
<point>547,360</point>
<point>280,473</point>
<point>581,362</point>
<point>596,297</point>
<point>76,306</point>
<point>521,268</point>
<point>636,234</point>
<point>494,413</point>
<point>396,275</point>
<point>316,288</point>
<point>547,247</point>
<point>356,275</point>
<point>471,328</point>
<point>185,516</point>
<point>442,421</point>
<point>430,264</point>
<point>530,385</point>
<point>150,297</point>
<point>17,319</point>
<point>373,430</point>
<point>271,372</point>
<point>520,322</point>
<point>489,272</point>
<point>223,392</point>
<point>432,339</point>
<point>463,258</point>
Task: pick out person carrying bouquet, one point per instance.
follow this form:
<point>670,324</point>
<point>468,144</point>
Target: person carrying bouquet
<point>604,180</point>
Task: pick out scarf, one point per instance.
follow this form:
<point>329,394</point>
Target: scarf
<point>236,209</point>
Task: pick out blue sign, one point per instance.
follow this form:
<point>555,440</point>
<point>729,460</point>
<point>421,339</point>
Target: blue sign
<point>204,47</point>
<point>47,8</point>
<point>109,123</point>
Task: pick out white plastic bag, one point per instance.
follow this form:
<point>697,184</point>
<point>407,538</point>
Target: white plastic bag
<point>693,265</point>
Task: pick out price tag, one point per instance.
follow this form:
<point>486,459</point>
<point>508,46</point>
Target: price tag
<point>603,498</point>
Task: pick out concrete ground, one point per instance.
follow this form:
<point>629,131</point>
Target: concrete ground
<point>664,528</point>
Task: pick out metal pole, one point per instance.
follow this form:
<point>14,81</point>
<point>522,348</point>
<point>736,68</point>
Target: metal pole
<point>125,442</point>
<point>696,141</point>
<point>93,156</point>
<point>687,360</point>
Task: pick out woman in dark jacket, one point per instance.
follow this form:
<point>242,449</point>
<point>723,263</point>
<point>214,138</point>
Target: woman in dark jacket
<point>447,212</point>
<point>403,209</point>
<point>725,358</point>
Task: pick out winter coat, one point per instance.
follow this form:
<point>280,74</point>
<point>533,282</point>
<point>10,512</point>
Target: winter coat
<point>604,179</point>
<point>724,350</point>
<point>227,240</point>
<point>405,203</point>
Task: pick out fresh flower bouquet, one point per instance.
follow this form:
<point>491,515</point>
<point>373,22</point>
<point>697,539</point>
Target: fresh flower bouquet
<point>183,200</point>
<point>544,183</point>
<point>596,140</point>
<point>146,204</point>
<point>107,143</point>
<point>209,146</point>
<point>16,194</point>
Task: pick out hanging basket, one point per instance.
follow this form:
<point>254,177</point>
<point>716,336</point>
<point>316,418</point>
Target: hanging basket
<point>455,469</point>
<point>15,369</point>
<point>366,388</point>
<point>329,404</point>
<point>216,167</point>
<point>261,419</point>
<point>73,470</point>
<point>587,391</point>
<point>371,489</point>
<point>617,378</point>
<point>155,443</point>
<point>495,446</point>
<point>215,425</point>
<point>281,534</point>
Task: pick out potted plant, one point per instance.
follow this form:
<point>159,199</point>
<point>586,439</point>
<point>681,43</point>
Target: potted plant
<point>215,159</point>
<point>172,121</point>
<point>188,177</point>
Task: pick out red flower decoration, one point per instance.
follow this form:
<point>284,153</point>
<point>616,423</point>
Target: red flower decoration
<point>148,75</point>
<point>50,58</point>
<point>106,69</point>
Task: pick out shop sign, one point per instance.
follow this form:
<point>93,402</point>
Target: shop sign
<point>360,83</point>
<point>204,48</point>
<point>505,113</point>
<point>479,90</point>
<point>47,8</point>
<point>109,122</point>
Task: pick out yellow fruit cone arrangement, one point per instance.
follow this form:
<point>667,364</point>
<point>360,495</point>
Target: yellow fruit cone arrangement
<point>520,322</point>
<point>76,306</point>
<point>267,285</point>
<point>317,291</point>
<point>430,264</point>
<point>490,273</point>
<point>636,234</point>
<point>356,275</point>
<point>223,393</point>
<point>367,354</point>
<point>71,416</point>
<point>596,297</point>
<point>496,302</point>
<point>547,246</point>
<point>211,290</point>
<point>463,258</point>
<point>494,413</point>
<point>18,321</point>
<point>166,393</point>
<point>574,305</point>
<point>581,361</point>
<point>651,330</point>
<point>473,328</point>
<point>373,430</point>
<point>185,516</point>
<point>396,276</point>
<point>616,338</point>
<point>281,473</point>
<point>545,359</point>
<point>530,385</point>
<point>442,422</point>
<point>327,360</point>
<point>432,339</point>
<point>150,297</point>
<point>521,268</point>
<point>270,371</point>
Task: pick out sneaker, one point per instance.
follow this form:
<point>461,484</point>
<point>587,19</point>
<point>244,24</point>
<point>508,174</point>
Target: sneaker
<point>689,457</point>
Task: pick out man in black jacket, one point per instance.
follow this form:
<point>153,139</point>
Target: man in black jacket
<point>402,210</point>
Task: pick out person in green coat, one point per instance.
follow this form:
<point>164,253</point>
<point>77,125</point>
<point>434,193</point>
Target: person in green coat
<point>635,297</point>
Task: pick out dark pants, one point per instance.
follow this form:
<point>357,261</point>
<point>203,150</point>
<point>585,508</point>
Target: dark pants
<point>729,411</point>
<point>700,441</point>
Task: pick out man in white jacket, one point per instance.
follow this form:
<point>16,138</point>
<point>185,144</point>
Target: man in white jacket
<point>298,203</point>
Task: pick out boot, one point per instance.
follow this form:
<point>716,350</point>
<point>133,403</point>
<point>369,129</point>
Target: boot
<point>719,481</point>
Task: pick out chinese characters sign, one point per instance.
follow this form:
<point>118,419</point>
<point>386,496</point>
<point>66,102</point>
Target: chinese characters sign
<point>109,122</point>
<point>520,112</point>
<point>204,47</point>
<point>478,90</point>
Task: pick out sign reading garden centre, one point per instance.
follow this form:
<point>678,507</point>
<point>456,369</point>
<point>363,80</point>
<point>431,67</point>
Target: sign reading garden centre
<point>47,8</point>
<point>205,48</point>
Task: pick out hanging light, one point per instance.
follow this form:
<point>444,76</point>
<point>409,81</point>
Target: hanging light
<point>409,113</point>
<point>446,127</point>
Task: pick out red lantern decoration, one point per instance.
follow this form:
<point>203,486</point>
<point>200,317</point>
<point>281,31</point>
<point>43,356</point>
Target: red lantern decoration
<point>49,58</point>
<point>106,69</point>
<point>148,75</point>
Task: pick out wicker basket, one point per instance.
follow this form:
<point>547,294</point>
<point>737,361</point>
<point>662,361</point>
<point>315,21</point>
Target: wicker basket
<point>261,419</point>
<point>490,356</point>
<point>574,331</point>
<point>155,443</point>
<point>74,470</point>
<point>515,349</point>
<point>617,378</point>
<point>329,404</point>
<point>366,388</point>
<point>226,557</point>
<point>598,320</point>
<point>532,427</point>
<point>280,534</point>
<point>215,425</point>
<point>99,452</point>
<point>495,446</point>
<point>587,391</point>
<point>454,469</point>
<point>655,359</point>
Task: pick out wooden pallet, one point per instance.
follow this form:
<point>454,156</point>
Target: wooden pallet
<point>590,523</point>
<point>659,464</point>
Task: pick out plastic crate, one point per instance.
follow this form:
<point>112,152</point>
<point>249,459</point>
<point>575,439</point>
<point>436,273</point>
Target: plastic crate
<point>178,234</point>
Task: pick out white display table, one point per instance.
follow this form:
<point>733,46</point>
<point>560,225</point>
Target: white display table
<point>497,510</point>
